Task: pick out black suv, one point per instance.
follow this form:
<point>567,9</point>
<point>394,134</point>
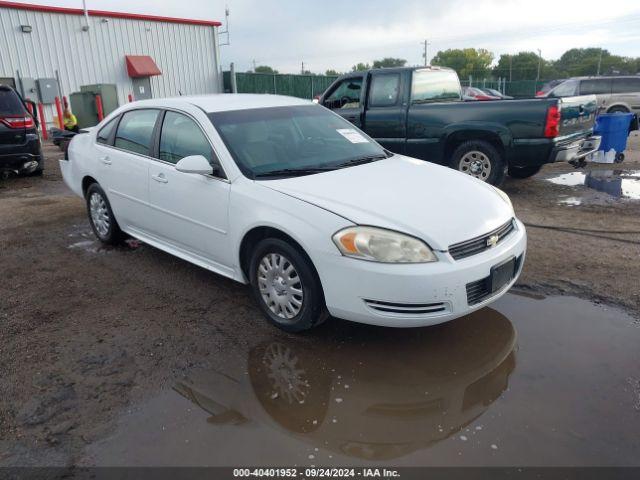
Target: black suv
<point>20,148</point>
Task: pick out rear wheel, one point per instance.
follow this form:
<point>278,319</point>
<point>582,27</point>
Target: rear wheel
<point>617,110</point>
<point>103,223</point>
<point>286,287</point>
<point>524,172</point>
<point>479,159</point>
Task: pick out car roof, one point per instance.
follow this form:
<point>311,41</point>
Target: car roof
<point>360,73</point>
<point>602,77</point>
<point>226,101</point>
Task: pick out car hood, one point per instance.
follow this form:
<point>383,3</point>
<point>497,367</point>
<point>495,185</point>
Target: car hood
<point>428,201</point>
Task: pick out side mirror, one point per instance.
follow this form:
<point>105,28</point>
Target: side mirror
<point>194,164</point>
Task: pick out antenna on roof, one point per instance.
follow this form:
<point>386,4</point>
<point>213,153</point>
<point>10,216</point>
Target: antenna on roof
<point>85,27</point>
<point>226,27</point>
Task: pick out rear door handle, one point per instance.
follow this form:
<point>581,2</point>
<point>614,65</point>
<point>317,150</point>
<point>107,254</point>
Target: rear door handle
<point>160,178</point>
<point>105,160</point>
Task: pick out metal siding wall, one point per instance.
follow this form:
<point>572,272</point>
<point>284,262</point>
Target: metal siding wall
<point>186,54</point>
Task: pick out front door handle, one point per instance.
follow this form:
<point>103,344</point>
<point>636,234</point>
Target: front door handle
<point>160,178</point>
<point>105,160</point>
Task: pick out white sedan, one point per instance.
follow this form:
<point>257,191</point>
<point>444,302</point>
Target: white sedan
<point>288,197</point>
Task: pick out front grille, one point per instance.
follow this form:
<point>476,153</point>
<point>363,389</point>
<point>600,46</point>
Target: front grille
<point>480,290</point>
<point>406,308</point>
<point>479,244</point>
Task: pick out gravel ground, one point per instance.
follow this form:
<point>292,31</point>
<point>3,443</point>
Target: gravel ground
<point>86,331</point>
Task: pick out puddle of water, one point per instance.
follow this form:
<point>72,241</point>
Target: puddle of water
<point>534,381</point>
<point>570,201</point>
<point>85,240</point>
<point>617,183</point>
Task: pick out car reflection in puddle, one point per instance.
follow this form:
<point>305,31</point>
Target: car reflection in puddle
<point>617,183</point>
<point>387,404</point>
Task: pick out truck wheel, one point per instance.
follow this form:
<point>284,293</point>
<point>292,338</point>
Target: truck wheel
<point>479,159</point>
<point>524,172</point>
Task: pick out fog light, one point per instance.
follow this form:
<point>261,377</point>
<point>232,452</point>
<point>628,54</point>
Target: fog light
<point>30,166</point>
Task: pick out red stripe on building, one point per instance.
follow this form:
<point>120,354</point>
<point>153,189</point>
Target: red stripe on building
<point>104,13</point>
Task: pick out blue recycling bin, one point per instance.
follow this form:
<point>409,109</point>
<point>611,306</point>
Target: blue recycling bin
<point>614,130</point>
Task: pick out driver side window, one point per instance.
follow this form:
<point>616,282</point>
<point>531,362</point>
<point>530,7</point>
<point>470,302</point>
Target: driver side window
<point>346,95</point>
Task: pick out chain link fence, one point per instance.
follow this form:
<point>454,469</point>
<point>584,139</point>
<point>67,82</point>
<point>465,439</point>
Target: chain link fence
<point>302,86</point>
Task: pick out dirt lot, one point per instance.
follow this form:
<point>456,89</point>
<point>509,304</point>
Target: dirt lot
<point>86,331</point>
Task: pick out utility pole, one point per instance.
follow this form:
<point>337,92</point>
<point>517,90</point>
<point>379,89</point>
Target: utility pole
<point>599,62</point>
<point>302,70</point>
<point>426,44</point>
<point>539,64</point>
<point>510,67</point>
<point>253,62</point>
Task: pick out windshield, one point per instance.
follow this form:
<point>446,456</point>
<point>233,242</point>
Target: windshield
<point>10,103</point>
<point>298,139</point>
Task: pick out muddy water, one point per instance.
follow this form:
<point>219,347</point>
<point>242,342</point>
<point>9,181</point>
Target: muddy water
<point>532,381</point>
<point>616,183</point>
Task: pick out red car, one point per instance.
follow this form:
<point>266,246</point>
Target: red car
<point>477,94</point>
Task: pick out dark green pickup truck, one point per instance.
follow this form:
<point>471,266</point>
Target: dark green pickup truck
<point>419,112</point>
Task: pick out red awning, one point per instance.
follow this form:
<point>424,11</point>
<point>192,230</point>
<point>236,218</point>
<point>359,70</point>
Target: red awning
<point>141,66</point>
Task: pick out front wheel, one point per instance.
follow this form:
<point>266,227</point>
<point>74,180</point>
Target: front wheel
<point>101,218</point>
<point>524,172</point>
<point>286,287</point>
<point>479,159</point>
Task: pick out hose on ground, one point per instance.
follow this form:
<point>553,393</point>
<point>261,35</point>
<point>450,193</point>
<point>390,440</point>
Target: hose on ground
<point>590,232</point>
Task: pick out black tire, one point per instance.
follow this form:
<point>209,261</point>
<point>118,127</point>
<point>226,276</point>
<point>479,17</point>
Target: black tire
<point>486,154</point>
<point>618,110</point>
<point>36,173</point>
<point>313,311</point>
<point>524,172</point>
<point>111,235</point>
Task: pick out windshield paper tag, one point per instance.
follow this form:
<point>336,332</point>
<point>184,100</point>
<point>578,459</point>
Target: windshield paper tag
<point>351,135</point>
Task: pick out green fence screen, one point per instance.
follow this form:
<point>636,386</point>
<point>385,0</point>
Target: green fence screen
<point>302,86</point>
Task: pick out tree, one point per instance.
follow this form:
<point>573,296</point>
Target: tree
<point>584,61</point>
<point>360,67</point>
<point>331,73</point>
<point>389,62</point>
<point>523,66</point>
<point>465,62</point>
<point>264,69</point>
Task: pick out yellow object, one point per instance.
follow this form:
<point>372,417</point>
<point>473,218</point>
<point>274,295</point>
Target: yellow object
<point>70,120</point>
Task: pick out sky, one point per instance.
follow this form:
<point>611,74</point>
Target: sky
<point>336,34</point>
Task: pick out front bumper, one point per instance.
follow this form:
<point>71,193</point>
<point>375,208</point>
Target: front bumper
<point>413,295</point>
<point>576,150</point>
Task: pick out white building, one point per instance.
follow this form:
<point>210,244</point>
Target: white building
<point>143,55</point>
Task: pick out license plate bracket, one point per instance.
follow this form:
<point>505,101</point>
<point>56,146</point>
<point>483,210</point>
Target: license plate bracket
<point>502,274</point>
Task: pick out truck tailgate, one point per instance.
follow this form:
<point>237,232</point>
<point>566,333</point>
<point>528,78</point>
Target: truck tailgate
<point>577,115</point>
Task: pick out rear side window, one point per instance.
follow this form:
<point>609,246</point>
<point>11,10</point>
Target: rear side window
<point>626,85</point>
<point>10,103</point>
<point>596,86</point>
<point>384,90</point>
<point>104,135</point>
<point>434,85</point>
<point>565,89</point>
<point>135,131</point>
<point>182,137</point>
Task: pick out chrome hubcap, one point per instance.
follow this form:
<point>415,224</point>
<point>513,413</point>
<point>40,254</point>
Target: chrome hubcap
<point>99,214</point>
<point>280,286</point>
<point>287,378</point>
<point>476,164</point>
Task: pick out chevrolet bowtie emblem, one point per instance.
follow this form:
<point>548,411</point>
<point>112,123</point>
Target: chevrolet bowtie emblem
<point>492,241</point>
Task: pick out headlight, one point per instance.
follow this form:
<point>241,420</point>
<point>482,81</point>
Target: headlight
<point>504,196</point>
<point>380,245</point>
